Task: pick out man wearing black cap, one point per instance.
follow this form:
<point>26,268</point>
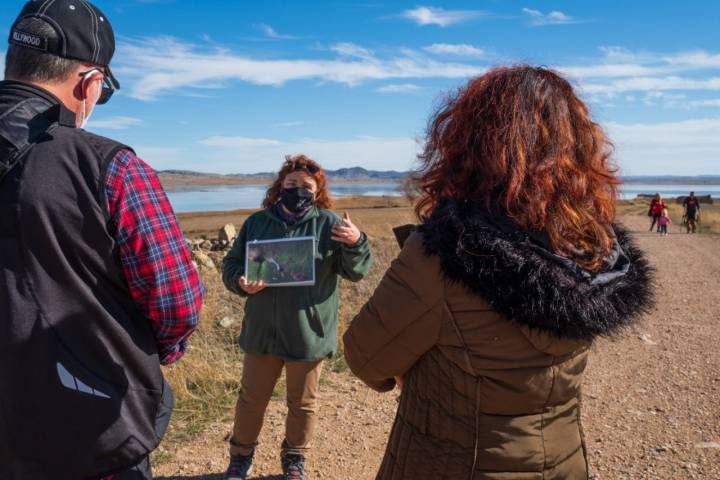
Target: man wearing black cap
<point>97,286</point>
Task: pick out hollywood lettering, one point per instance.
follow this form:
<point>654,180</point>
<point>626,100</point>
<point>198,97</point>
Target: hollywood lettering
<point>27,39</point>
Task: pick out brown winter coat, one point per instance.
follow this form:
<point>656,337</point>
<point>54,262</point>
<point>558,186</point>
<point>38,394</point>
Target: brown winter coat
<point>484,397</point>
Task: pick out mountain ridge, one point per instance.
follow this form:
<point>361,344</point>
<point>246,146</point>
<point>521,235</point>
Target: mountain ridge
<point>345,173</point>
<point>360,173</point>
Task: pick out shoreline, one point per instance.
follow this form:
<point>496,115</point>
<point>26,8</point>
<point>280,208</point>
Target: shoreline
<point>373,202</point>
<point>380,214</point>
<point>180,183</point>
<point>174,183</point>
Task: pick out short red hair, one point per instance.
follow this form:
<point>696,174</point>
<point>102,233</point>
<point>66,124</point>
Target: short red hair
<point>294,163</point>
<point>520,139</point>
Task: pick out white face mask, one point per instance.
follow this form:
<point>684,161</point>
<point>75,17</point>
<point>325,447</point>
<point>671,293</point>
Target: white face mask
<point>84,113</point>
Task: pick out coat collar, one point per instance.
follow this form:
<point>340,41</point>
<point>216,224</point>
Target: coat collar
<point>314,212</point>
<point>515,272</point>
<point>57,113</point>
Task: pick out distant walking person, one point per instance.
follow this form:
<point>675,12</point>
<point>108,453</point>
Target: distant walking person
<point>663,222</point>
<point>656,207</point>
<point>290,328</point>
<point>97,287</point>
<point>692,212</point>
<point>487,316</point>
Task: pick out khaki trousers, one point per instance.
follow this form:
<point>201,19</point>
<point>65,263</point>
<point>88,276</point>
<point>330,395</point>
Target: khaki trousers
<point>259,377</point>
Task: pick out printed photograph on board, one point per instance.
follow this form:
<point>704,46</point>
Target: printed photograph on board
<point>286,262</point>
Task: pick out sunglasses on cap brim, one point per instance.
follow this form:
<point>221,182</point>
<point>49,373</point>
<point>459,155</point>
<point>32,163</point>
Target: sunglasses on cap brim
<point>300,167</point>
<point>110,83</point>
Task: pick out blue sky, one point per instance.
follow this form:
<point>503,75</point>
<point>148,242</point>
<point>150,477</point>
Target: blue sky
<point>232,86</point>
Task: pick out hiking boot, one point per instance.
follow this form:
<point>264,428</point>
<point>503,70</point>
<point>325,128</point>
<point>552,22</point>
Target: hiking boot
<point>293,466</point>
<point>240,467</point>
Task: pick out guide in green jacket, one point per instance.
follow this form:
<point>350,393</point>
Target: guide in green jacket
<point>290,327</point>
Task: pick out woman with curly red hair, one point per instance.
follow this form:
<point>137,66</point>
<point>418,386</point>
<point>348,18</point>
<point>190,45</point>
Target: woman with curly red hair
<point>294,328</point>
<point>486,318</point>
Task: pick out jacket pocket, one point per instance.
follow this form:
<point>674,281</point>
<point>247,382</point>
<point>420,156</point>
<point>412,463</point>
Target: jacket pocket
<point>313,317</point>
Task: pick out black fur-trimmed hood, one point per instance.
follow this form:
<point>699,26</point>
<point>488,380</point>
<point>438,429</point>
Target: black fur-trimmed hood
<point>522,279</point>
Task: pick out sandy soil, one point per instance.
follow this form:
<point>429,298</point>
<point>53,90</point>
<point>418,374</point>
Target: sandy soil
<point>377,215</point>
<point>652,397</point>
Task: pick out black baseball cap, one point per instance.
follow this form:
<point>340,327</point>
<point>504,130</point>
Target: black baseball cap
<point>84,32</point>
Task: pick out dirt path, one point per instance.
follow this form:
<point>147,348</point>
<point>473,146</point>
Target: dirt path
<point>652,398</point>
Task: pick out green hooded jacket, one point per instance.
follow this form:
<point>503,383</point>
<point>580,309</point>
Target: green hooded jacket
<point>296,323</point>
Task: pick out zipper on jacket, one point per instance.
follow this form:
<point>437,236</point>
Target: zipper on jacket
<point>275,316</point>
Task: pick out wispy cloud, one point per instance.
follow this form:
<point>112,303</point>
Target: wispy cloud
<point>238,142</point>
<point>666,147</point>
<point>640,84</point>
<point>371,152</point>
<point>164,65</point>
<point>114,123</point>
<point>620,71</point>
<point>400,88</point>
<point>424,16</point>
<point>668,100</point>
<point>347,49</point>
<point>271,33</point>
<point>539,19</point>
<point>295,123</point>
<point>710,102</point>
<point>458,49</point>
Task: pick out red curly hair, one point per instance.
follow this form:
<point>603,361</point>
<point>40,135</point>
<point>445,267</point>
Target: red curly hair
<point>520,139</point>
<point>294,163</point>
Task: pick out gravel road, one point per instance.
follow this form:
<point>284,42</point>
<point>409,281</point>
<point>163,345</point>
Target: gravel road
<point>651,398</point>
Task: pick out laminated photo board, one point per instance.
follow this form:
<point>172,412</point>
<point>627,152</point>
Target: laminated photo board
<point>283,262</point>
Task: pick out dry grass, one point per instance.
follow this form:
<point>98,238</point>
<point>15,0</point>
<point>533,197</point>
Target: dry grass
<point>710,219</point>
<point>207,380</point>
<point>378,214</point>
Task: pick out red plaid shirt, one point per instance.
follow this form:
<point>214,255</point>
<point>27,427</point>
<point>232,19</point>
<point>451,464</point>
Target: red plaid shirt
<point>157,264</point>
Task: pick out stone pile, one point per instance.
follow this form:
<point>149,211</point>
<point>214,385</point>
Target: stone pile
<point>208,253</point>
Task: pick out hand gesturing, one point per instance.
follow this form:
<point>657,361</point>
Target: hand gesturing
<point>346,232</point>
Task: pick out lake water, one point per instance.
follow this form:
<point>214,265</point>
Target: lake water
<point>632,190</point>
<point>231,197</point>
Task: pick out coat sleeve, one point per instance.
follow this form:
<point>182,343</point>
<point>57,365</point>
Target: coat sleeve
<point>234,263</point>
<point>400,322</point>
<point>354,261</point>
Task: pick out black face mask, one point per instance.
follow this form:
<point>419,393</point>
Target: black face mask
<point>297,199</point>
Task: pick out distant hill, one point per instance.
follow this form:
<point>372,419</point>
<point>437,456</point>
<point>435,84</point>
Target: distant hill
<point>188,178</point>
<point>361,173</point>
<point>674,179</point>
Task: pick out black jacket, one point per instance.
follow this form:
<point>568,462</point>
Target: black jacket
<point>79,372</point>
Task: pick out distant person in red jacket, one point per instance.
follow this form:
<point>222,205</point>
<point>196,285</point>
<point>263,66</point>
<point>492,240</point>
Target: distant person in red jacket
<point>692,212</point>
<point>656,208</point>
